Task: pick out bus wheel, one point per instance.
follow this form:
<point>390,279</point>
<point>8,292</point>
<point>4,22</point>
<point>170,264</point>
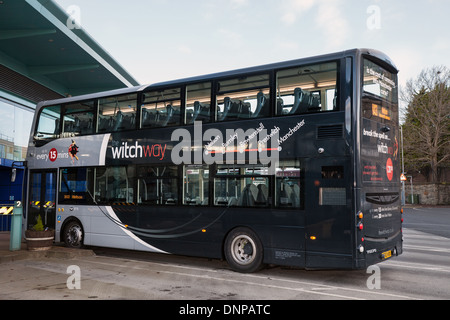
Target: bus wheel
<point>73,235</point>
<point>243,250</point>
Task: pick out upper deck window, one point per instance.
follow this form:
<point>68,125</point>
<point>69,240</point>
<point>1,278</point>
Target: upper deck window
<point>380,93</point>
<point>117,113</point>
<point>48,124</point>
<point>78,119</point>
<point>198,103</point>
<point>310,88</point>
<point>379,82</point>
<point>161,108</point>
<point>245,97</point>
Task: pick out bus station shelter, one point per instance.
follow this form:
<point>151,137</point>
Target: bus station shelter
<point>44,55</point>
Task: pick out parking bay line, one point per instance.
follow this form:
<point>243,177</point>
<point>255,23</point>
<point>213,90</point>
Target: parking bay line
<point>314,285</point>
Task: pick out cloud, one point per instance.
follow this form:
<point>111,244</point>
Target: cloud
<point>295,8</point>
<point>332,23</point>
<point>238,3</point>
<point>184,49</point>
<point>231,37</point>
<point>328,18</point>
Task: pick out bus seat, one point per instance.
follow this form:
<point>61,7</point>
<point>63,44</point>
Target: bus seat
<point>248,196</point>
<point>235,108</point>
<point>221,201</point>
<point>298,96</point>
<point>76,125</point>
<point>175,116</point>
<point>165,117</point>
<point>261,106</point>
<point>233,202</point>
<point>245,111</point>
<point>205,113</point>
<point>263,192</point>
<point>280,106</point>
<point>314,104</point>
<point>285,195</point>
<point>221,116</point>
<point>86,126</point>
<point>189,116</point>
<point>295,196</point>
<point>197,109</point>
<point>149,117</point>
<point>118,119</point>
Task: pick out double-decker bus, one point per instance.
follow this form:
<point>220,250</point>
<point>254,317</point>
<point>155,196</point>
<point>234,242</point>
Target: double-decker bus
<point>293,163</point>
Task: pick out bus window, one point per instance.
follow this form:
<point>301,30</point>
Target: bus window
<point>241,186</point>
<point>307,89</point>
<point>78,119</point>
<point>115,184</point>
<point>48,126</point>
<point>117,113</point>
<point>76,186</point>
<point>243,98</point>
<point>158,185</point>
<point>288,185</point>
<point>196,185</point>
<point>161,108</point>
<point>198,103</point>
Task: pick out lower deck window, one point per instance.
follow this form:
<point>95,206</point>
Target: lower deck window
<point>158,185</point>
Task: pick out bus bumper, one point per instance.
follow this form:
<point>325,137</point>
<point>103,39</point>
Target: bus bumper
<point>379,251</point>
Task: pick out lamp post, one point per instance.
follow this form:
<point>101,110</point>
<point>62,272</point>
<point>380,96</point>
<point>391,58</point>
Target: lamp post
<point>412,191</point>
<point>403,167</point>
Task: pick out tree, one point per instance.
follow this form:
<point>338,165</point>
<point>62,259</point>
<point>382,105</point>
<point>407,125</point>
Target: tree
<point>426,129</point>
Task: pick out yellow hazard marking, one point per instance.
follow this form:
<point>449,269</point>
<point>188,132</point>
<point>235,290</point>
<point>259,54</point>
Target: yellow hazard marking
<point>6,210</point>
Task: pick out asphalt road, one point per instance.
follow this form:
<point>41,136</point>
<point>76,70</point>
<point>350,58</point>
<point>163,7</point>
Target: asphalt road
<point>422,272</point>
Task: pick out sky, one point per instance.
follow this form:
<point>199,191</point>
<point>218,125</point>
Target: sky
<point>161,40</point>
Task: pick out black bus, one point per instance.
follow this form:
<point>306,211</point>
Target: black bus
<point>293,163</point>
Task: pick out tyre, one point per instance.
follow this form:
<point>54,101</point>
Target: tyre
<point>73,235</point>
<point>243,250</point>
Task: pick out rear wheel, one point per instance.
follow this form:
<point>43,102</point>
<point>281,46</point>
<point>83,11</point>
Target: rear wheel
<point>243,250</point>
<point>73,235</point>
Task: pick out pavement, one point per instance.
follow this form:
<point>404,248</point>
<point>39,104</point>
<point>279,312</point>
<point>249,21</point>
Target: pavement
<point>57,251</point>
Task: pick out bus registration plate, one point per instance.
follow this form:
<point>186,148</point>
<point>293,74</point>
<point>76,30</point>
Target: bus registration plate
<point>386,255</point>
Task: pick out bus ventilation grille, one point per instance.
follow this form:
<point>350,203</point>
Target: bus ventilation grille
<point>382,198</point>
<point>330,132</point>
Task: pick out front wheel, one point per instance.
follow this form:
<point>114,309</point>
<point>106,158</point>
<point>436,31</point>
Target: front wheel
<point>73,235</point>
<point>243,250</point>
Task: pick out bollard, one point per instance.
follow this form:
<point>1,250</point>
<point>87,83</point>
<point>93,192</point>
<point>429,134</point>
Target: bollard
<point>15,240</point>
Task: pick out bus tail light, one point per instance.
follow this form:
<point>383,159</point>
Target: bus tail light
<point>360,215</point>
<point>360,226</point>
<point>361,249</point>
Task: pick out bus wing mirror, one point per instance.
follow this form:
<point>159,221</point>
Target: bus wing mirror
<point>13,175</point>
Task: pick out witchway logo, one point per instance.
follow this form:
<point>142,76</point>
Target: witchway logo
<point>136,151</point>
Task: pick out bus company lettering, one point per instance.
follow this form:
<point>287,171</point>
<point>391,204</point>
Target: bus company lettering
<point>126,151</point>
<point>52,155</point>
<point>252,146</point>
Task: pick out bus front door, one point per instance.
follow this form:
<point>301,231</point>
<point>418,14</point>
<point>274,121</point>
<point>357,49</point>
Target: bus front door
<point>42,199</point>
<point>328,232</point>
